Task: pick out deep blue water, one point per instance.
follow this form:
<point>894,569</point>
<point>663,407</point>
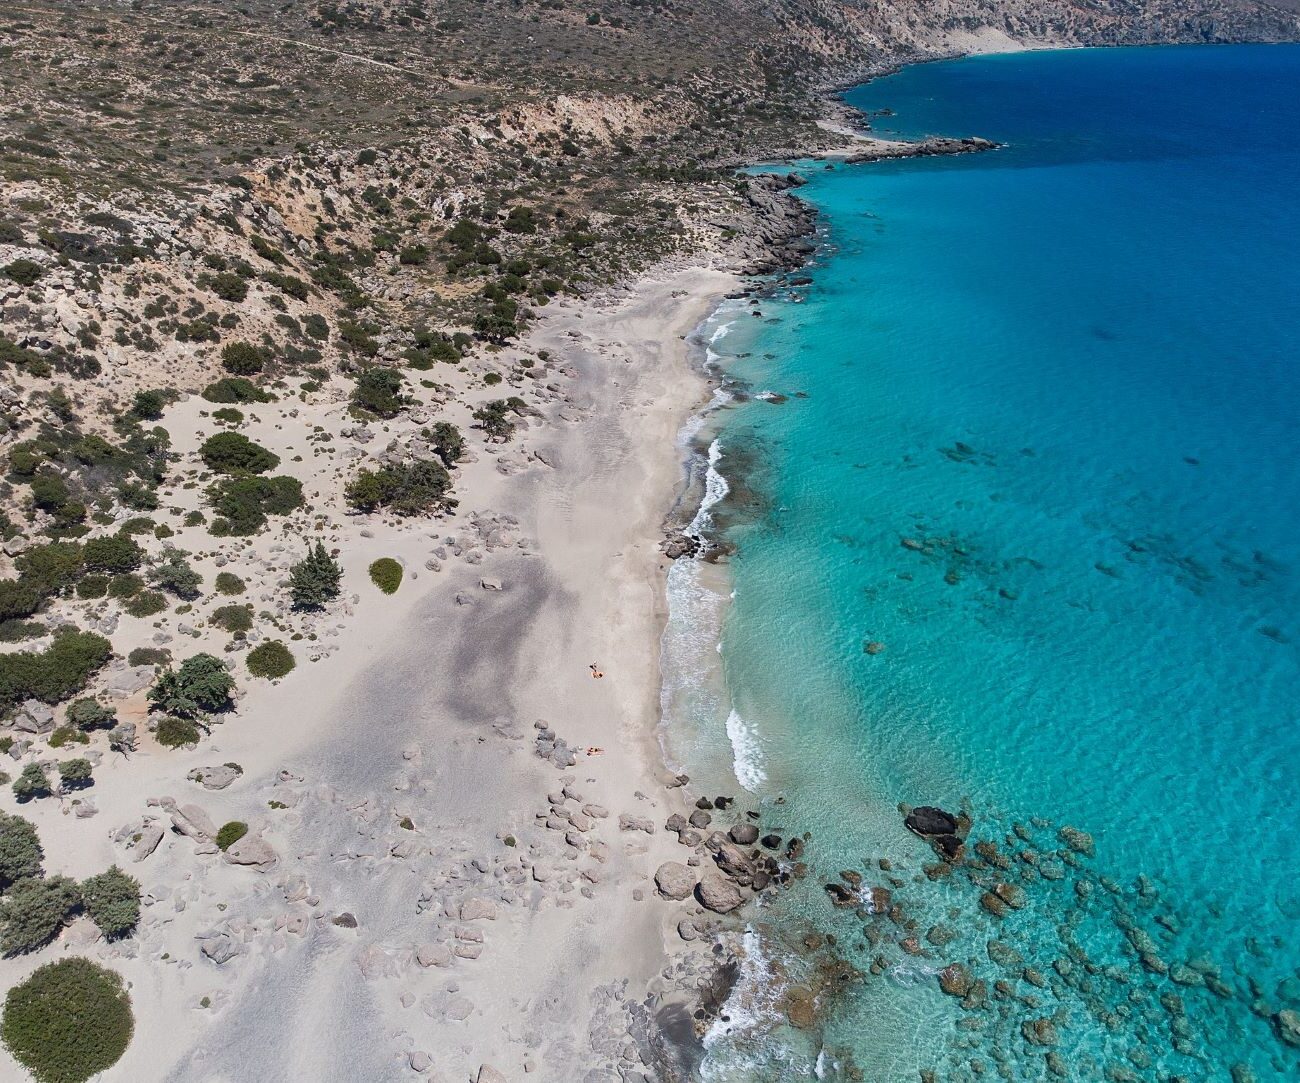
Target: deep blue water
<point>1047,460</point>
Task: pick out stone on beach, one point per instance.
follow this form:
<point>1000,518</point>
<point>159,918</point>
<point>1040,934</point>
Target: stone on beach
<point>718,894</point>
<point>675,880</point>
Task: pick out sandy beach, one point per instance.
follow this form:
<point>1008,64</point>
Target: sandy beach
<point>409,911</point>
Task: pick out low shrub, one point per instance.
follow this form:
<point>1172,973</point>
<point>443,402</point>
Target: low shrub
<point>271,659</point>
<point>33,782</point>
<point>21,853</point>
<point>55,674</point>
<point>34,911</point>
<point>413,488</point>
<point>230,833</point>
<point>74,774</point>
<point>229,583</point>
<point>67,1022</point>
<point>92,586</point>
<point>65,735</point>
<point>90,714</point>
<point>379,392</point>
<point>148,603</point>
<point>234,453</point>
<point>112,899</point>
<point>176,733</point>
<point>232,618</point>
<point>236,390</point>
<point>242,359</point>
<point>245,502</point>
<point>386,574</point>
<point>149,656</point>
<point>201,686</point>
<point>125,586</point>
<point>172,572</point>
<point>116,553</point>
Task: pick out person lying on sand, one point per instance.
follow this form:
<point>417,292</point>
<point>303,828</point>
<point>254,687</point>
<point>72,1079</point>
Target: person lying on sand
<point>595,671</point>
<point>593,751</point>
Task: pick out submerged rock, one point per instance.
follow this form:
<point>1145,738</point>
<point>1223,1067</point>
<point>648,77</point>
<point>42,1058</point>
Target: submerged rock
<point>930,822</point>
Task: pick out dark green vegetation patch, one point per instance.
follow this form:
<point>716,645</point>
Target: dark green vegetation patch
<point>68,1021</point>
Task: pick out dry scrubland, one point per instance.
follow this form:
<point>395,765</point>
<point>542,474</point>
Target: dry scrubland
<point>340,361</point>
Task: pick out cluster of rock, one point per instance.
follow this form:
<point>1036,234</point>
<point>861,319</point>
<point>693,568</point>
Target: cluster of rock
<point>1023,939</point>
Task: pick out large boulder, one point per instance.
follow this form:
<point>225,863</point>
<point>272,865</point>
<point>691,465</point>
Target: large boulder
<point>930,822</point>
<point>251,850</point>
<point>1287,1023</point>
<point>718,894</point>
<point>675,880</point>
<point>744,834</point>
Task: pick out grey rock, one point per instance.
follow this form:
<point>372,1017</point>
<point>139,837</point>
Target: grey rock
<point>675,880</point>
<point>252,850</point>
<point>635,823</point>
<point>478,909</point>
<point>221,947</point>
<point>488,1074</point>
<point>718,894</point>
<point>438,955</point>
<point>216,778</point>
<point>744,834</point>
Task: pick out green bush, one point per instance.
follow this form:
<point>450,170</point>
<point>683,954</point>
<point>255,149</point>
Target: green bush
<point>172,572</point>
<point>413,488</point>
<point>20,850</point>
<point>271,659</point>
<point>34,911</point>
<point>493,418</point>
<point>229,583</point>
<point>112,899</point>
<point>148,603</point>
<point>448,443</point>
<point>149,656</point>
<point>115,554</point>
<point>55,674</point>
<point>33,782</point>
<point>64,735</point>
<point>314,580</point>
<point>176,733</point>
<point>92,586</point>
<point>235,453</point>
<point>74,774</point>
<point>232,618</point>
<point>236,390</point>
<point>226,285</point>
<point>231,833</point>
<point>386,574</point>
<point>201,686</point>
<point>379,392</point>
<point>90,714</point>
<point>245,502</point>
<point>25,272</point>
<point>148,405</point>
<point>125,586</point>
<point>69,1021</point>
<point>228,415</point>
<point>242,359</point>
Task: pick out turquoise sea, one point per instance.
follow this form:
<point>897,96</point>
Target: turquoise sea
<point>1018,532</point>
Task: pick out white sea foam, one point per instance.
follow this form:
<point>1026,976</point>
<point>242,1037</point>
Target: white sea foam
<point>715,489</point>
<point>747,753</point>
<point>749,1043</point>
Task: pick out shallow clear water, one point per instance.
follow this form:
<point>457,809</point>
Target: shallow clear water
<point>1047,462</point>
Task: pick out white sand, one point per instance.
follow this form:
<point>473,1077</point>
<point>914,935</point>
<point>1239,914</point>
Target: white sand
<point>425,709</point>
